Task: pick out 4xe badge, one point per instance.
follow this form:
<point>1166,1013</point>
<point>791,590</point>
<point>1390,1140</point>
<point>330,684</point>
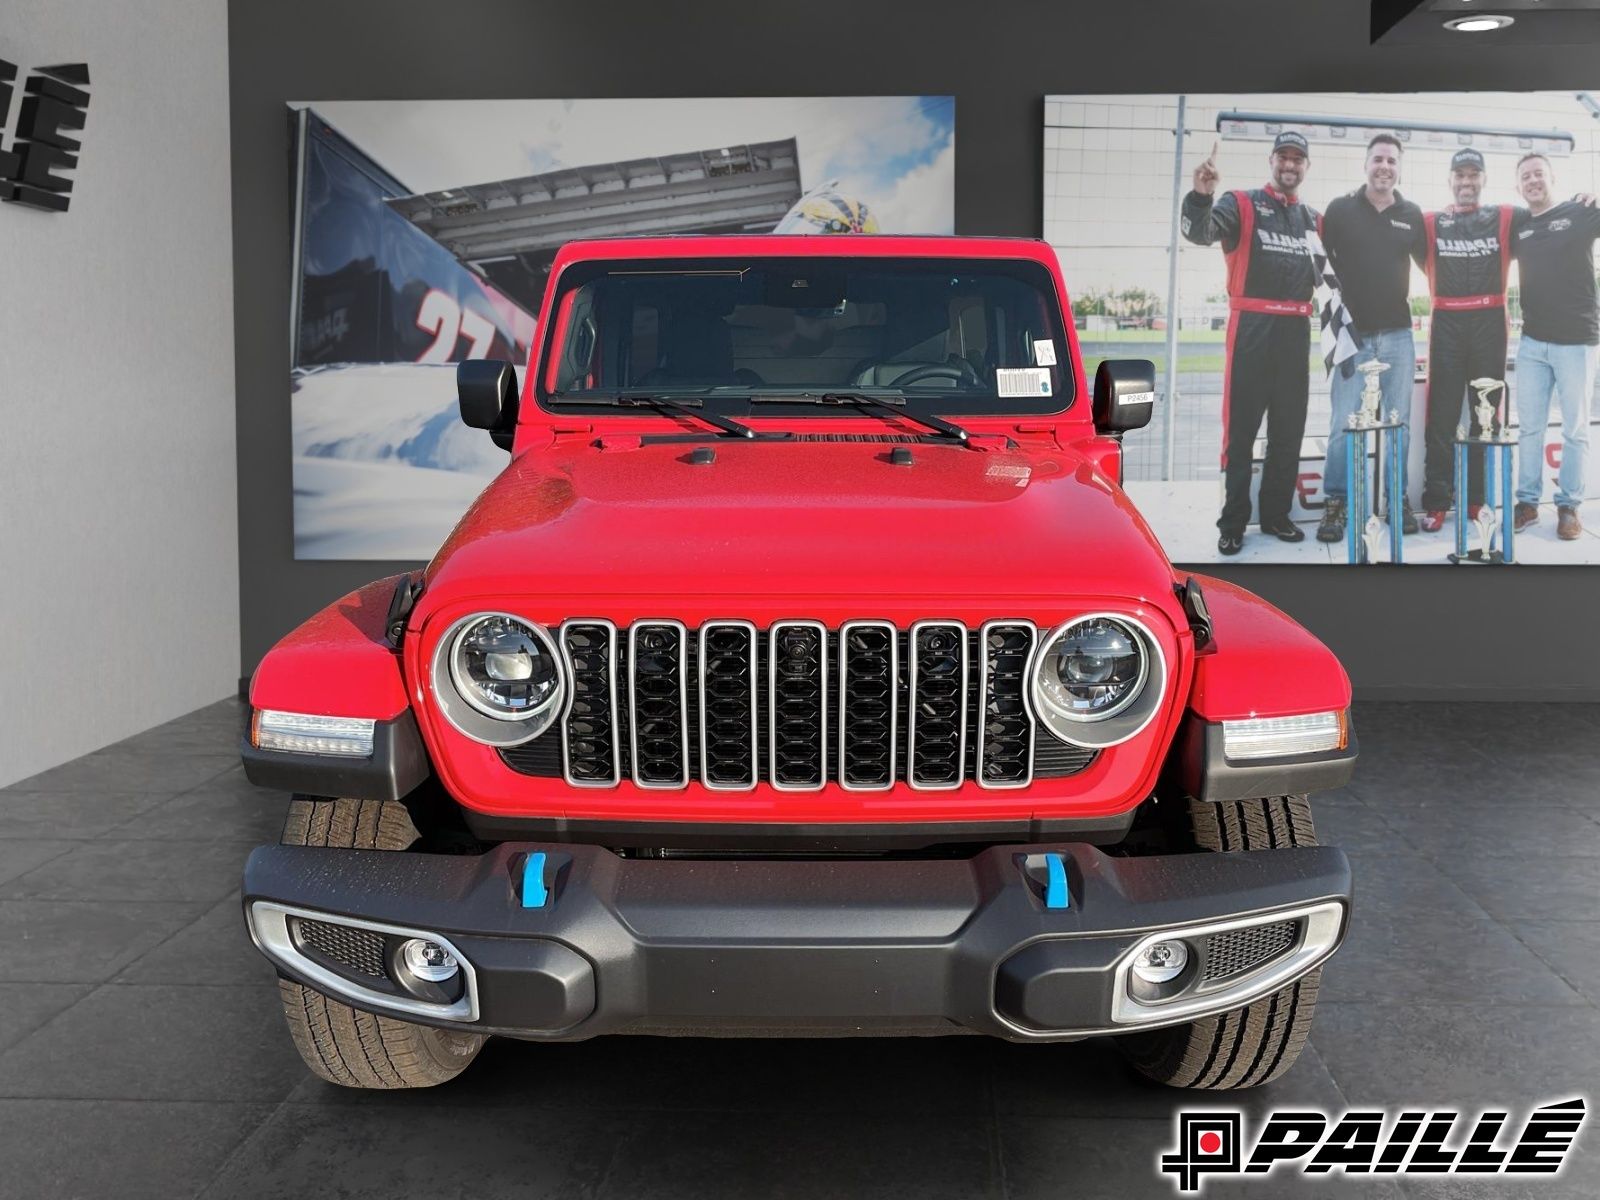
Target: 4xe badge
<point>1358,1143</point>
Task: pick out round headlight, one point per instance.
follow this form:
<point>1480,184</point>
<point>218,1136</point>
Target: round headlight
<point>503,668</point>
<point>1092,669</point>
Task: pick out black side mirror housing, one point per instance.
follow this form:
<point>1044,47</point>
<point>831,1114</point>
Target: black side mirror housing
<point>487,391</point>
<point>1124,394</point>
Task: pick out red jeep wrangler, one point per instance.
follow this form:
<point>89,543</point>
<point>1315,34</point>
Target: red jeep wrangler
<point>806,672</point>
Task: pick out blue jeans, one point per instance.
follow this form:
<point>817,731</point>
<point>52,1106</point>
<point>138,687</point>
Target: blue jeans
<point>1569,372</point>
<point>1393,346</point>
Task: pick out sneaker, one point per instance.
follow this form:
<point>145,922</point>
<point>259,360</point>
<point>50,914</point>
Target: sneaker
<point>1523,516</point>
<point>1230,543</point>
<point>1284,530</point>
<point>1433,520</point>
<point>1568,527</point>
<point>1408,519</point>
<point>1332,527</point>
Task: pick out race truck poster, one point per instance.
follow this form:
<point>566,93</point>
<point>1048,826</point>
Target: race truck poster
<point>424,233</point>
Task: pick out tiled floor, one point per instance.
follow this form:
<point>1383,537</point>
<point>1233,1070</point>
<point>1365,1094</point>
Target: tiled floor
<point>142,1054</point>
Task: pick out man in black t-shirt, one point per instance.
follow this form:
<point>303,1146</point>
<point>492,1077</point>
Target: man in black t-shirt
<point>1554,246</point>
<point>1372,235</point>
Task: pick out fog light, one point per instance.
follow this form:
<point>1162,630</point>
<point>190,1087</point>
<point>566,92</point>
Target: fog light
<point>428,960</point>
<point>1161,962</point>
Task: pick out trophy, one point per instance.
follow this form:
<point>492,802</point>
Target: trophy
<point>1364,539</point>
<point>1493,440</point>
<point>1371,391</point>
<point>1486,410</point>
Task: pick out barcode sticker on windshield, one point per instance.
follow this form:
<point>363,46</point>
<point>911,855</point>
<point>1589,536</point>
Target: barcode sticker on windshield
<point>1016,382</point>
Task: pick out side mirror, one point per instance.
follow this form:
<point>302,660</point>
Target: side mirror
<point>1124,394</point>
<point>487,391</point>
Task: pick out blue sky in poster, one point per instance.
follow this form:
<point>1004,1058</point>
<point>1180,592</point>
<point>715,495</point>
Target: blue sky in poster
<point>896,153</point>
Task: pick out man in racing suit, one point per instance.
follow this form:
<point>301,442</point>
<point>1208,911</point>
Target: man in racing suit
<point>1468,251</point>
<point>1267,372</point>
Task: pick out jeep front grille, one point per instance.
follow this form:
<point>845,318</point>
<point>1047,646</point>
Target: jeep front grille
<point>798,706</point>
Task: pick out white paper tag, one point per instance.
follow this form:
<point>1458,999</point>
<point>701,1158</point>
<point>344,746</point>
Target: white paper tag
<point>1044,352</point>
<point>1016,382</point>
<point>1136,398</point>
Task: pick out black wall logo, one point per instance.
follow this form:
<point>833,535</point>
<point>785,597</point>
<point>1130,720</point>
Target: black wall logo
<point>53,106</point>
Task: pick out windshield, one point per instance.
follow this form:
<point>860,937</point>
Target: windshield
<point>967,336</point>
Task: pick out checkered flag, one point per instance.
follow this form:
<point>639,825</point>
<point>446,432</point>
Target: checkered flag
<point>1338,327</point>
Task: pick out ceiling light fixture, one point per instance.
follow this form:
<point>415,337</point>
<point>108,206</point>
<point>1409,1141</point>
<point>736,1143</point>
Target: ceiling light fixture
<point>1478,24</point>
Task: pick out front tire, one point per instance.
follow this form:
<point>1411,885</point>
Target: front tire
<point>343,1044</point>
<point>1259,1042</point>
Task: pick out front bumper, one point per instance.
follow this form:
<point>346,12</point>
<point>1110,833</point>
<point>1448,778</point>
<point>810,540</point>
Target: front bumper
<point>800,946</point>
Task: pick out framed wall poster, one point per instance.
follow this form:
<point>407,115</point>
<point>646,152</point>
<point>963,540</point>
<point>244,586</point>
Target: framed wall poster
<point>1477,286</point>
<point>424,232</point>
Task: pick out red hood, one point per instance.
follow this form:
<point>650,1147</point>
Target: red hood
<point>805,519</point>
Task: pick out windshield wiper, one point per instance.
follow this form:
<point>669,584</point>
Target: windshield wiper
<point>892,404</point>
<point>681,408</point>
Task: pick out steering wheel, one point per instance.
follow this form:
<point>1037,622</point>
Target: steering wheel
<point>957,370</point>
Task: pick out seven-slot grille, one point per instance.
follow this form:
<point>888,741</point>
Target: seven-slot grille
<point>797,706</point>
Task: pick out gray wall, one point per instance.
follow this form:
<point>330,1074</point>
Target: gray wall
<point>1416,632</point>
<point>118,527</point>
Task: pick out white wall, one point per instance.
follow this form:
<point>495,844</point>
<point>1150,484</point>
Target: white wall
<point>119,593</point>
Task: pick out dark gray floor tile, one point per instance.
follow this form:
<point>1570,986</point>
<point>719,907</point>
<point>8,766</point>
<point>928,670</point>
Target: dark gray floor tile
<point>1403,886</point>
<point>421,1148</point>
<point>1440,1055</point>
<point>116,770</point>
<point>1570,948</point>
<point>1357,827</point>
<point>147,1042</point>
<point>134,870</point>
<point>26,1006</point>
<point>215,949</point>
<point>126,1149</point>
<point>945,1076</point>
<point>68,815</point>
<point>69,941</point>
<point>1579,1180</point>
<point>1438,958</point>
<point>229,808</point>
<point>1406,785</point>
<point>802,1155</point>
<point>18,856</point>
<point>1528,833</point>
<point>188,735</point>
<point>1548,886</point>
<point>1091,1079</point>
<point>1111,1159</point>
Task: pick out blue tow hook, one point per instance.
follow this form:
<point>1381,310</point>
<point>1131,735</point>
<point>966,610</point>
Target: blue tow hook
<point>534,892</point>
<point>1055,890</point>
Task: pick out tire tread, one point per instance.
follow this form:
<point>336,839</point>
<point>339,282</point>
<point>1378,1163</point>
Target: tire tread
<point>1259,1042</point>
<point>339,1043</point>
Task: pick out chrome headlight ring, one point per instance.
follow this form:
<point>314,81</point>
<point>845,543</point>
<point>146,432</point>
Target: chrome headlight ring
<point>1128,717</point>
<point>472,715</point>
